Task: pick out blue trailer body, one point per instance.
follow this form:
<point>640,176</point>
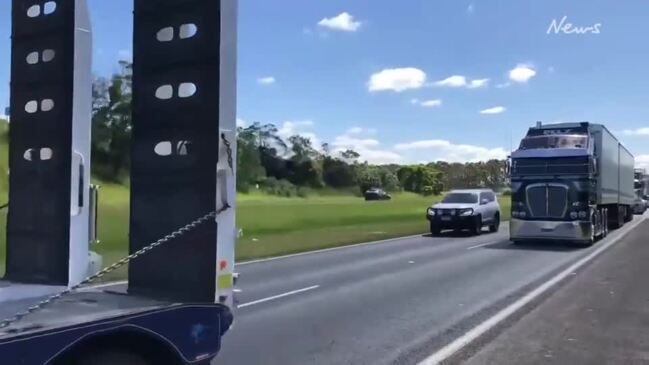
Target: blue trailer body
<point>185,333</point>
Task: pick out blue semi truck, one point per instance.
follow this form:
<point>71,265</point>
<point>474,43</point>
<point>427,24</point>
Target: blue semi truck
<point>178,300</point>
<point>570,182</point>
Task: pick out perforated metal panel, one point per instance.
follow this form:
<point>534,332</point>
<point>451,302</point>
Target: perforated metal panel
<point>175,146</point>
<point>42,56</point>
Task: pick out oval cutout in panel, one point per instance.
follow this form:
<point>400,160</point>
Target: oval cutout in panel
<point>31,107</point>
<point>47,105</point>
<point>32,58</point>
<point>182,148</point>
<point>188,30</point>
<point>34,11</point>
<point>163,148</point>
<point>28,154</point>
<point>49,7</point>
<point>186,89</point>
<point>46,154</point>
<point>164,92</point>
<point>165,34</point>
<point>48,55</point>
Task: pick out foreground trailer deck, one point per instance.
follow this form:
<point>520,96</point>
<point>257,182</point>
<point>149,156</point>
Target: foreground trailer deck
<point>77,323</point>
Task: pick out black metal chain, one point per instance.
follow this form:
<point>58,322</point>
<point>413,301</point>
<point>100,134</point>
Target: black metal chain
<point>177,233</point>
<point>228,150</point>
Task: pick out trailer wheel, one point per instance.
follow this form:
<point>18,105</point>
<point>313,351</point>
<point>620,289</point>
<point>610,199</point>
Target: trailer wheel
<point>112,357</point>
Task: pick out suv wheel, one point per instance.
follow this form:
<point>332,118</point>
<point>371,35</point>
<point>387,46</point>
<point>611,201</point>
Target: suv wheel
<point>434,229</point>
<point>496,224</point>
<point>477,225</point>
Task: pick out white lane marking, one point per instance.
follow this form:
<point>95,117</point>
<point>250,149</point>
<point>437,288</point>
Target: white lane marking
<point>505,223</point>
<point>327,250</point>
<point>98,286</point>
<point>277,296</point>
<point>483,244</point>
<point>453,347</point>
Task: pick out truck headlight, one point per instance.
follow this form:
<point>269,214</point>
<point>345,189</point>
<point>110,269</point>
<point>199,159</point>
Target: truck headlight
<point>431,211</point>
<point>574,215</point>
<point>515,213</point>
<point>582,214</point>
<point>466,212</point>
<point>522,214</point>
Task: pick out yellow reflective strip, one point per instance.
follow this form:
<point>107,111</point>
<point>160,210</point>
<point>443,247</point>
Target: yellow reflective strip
<point>224,281</point>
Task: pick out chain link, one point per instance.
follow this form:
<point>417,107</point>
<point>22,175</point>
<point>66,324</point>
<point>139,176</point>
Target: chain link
<point>212,215</point>
<point>49,300</point>
<point>228,150</point>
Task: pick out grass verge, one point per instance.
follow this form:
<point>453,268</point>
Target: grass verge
<point>275,226</point>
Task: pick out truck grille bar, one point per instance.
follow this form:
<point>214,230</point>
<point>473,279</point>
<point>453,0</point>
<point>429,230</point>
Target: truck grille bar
<point>547,200</point>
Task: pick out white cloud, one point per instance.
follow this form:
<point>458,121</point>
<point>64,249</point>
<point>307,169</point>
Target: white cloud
<point>343,21</point>
<point>241,123</point>
<point>266,80</point>
<point>301,128</point>
<point>414,101</point>
<point>369,149</point>
<point>474,84</point>
<point>125,54</point>
<point>636,132</point>
<point>453,81</point>
<point>443,150</point>
<point>522,73</point>
<point>494,110</point>
<point>642,161</point>
<point>431,103</point>
<point>397,79</point>
<point>503,85</point>
<point>462,81</point>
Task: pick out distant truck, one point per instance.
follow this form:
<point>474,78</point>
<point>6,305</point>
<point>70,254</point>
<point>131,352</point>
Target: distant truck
<point>571,182</point>
<point>641,186</point>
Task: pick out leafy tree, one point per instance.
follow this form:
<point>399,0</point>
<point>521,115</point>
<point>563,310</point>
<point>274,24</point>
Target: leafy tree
<point>249,168</point>
<point>368,176</point>
<point>112,123</point>
<point>389,180</point>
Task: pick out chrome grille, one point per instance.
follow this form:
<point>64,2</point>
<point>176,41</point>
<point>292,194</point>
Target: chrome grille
<point>557,198</point>
<point>536,201</point>
<point>547,200</point>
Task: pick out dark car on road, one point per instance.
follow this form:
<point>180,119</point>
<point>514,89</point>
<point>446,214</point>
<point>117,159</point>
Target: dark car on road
<point>376,194</point>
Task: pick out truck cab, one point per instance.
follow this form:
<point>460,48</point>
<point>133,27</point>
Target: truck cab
<point>568,182</point>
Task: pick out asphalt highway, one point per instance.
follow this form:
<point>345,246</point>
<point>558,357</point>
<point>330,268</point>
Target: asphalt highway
<point>398,301</point>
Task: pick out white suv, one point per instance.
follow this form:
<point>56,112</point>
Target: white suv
<point>469,209</point>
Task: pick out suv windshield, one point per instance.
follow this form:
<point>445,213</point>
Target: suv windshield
<point>565,141</point>
<point>460,198</point>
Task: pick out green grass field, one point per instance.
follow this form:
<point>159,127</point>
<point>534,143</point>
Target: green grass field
<point>275,226</point>
<point>271,225</point>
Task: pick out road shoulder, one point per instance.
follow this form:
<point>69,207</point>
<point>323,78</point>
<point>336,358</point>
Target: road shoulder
<point>600,316</point>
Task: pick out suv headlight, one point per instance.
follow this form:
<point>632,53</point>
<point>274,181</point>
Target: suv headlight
<point>431,211</point>
<point>465,212</point>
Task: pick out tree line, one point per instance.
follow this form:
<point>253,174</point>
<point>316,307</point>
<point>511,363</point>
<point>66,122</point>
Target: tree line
<point>276,165</point>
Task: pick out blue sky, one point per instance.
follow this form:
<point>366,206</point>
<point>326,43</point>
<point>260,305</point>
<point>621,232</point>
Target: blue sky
<point>421,80</point>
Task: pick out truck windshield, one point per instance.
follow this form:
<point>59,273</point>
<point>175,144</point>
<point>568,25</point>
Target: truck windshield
<point>460,198</point>
<point>560,141</point>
